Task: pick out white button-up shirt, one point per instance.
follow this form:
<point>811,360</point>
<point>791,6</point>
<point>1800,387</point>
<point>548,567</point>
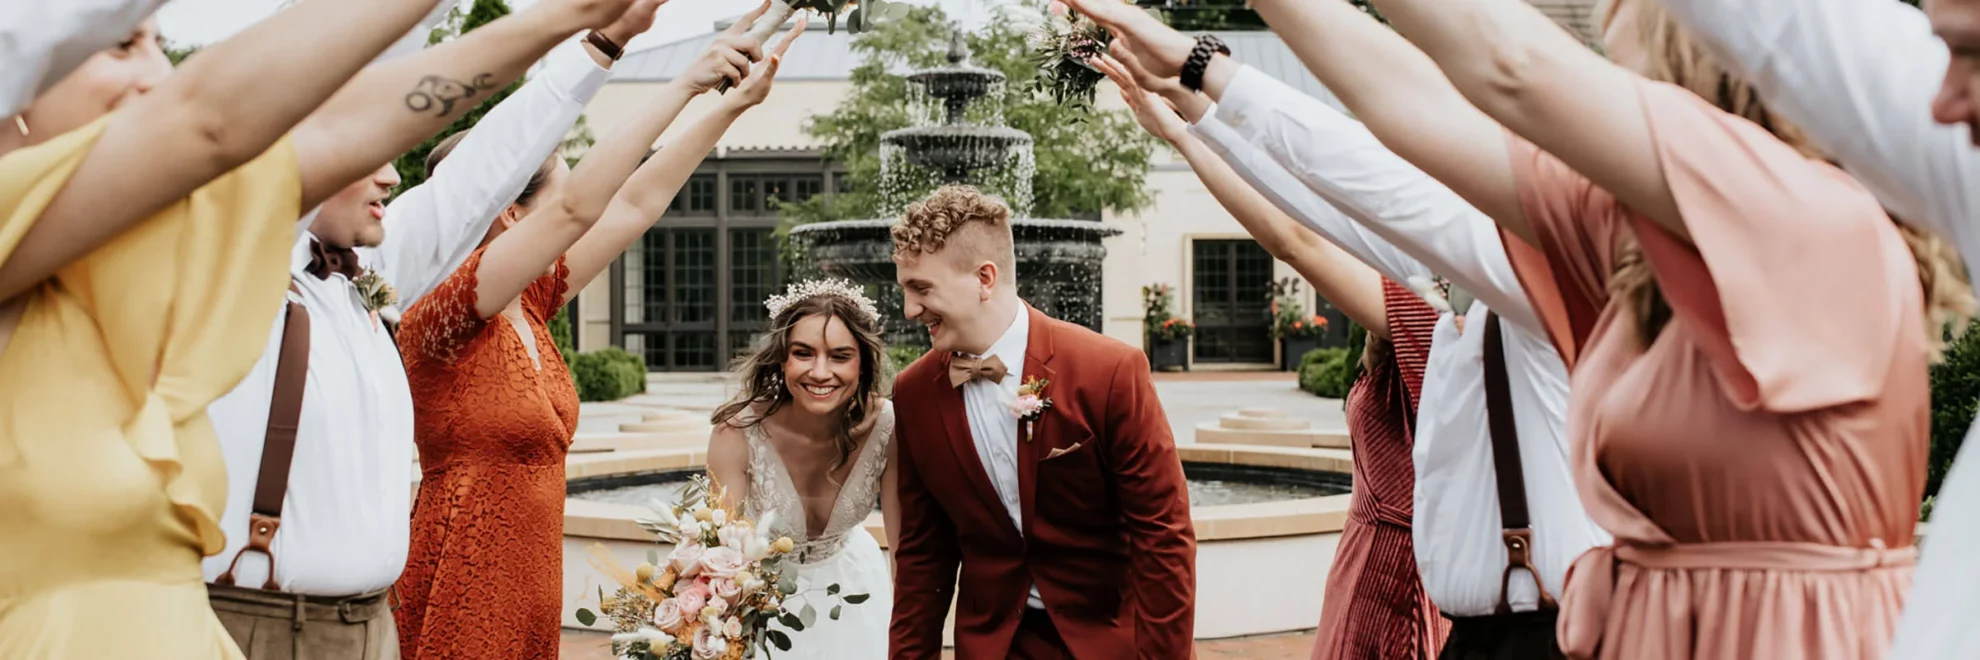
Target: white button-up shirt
<point>346,519</point>
<point>1331,174</point>
<point>994,428</point>
<point>1858,77</point>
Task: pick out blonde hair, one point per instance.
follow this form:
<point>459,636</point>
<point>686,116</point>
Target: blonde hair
<point>1674,58</point>
<point>978,226</point>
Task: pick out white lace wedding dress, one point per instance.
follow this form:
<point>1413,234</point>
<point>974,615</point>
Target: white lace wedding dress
<point>845,554</point>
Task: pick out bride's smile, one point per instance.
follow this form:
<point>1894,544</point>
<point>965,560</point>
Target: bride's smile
<point>822,364</point>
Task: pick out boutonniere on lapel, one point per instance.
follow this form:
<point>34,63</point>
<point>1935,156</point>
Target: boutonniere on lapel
<point>376,294</point>
<point>1031,402</point>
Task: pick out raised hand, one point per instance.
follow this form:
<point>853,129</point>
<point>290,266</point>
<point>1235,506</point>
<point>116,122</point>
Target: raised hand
<point>636,20</point>
<point>1151,111</point>
<point>728,58</point>
<point>757,87</point>
<point>1160,49</point>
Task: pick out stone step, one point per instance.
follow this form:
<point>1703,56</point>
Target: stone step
<point>652,425</point>
<point>1261,413</point>
<point>1331,438</point>
<point>597,442</point>
<point>1241,421</point>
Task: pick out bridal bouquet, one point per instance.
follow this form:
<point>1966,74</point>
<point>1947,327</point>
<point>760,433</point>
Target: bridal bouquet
<point>1061,46</point>
<point>714,596</point>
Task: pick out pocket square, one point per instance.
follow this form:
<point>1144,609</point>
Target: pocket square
<point>1061,452</point>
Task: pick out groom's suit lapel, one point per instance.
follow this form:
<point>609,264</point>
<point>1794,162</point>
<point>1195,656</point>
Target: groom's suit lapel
<point>955,420</point>
<point>1032,437</point>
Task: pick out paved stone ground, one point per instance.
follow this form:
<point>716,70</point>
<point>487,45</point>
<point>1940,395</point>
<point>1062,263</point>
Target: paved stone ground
<point>1296,646</point>
<point>1187,398</point>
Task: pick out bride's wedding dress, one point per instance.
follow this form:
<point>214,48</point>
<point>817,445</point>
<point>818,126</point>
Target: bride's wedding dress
<point>845,554</point>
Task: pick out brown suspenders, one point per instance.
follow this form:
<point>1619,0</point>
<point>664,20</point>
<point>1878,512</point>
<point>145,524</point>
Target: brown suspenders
<point>1518,530</point>
<point>279,446</point>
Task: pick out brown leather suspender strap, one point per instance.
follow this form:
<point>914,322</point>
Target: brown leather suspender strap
<point>279,444</point>
<point>1517,532</point>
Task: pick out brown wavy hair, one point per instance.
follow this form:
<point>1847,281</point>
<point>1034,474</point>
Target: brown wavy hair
<point>1676,59</point>
<point>761,371</point>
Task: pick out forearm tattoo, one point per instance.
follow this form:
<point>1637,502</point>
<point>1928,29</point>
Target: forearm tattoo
<point>441,92</point>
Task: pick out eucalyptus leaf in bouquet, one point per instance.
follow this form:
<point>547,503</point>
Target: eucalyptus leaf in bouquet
<point>1060,47</point>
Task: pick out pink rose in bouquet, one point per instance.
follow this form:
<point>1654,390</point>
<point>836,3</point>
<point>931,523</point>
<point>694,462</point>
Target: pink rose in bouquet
<point>725,588</point>
<point>687,558</point>
<point>691,602</point>
<point>708,644</point>
<point>667,615</point>
<point>722,562</point>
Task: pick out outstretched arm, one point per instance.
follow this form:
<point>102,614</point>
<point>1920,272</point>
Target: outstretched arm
<point>1339,277</point>
<point>522,253</point>
<point>216,113</point>
<point>1858,77</point>
<point>434,226</point>
<point>651,190</point>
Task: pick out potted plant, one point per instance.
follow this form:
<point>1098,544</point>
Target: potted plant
<point>1296,330</point>
<point>1168,336</point>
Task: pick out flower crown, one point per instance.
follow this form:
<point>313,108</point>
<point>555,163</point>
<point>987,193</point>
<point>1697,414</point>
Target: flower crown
<point>814,288</point>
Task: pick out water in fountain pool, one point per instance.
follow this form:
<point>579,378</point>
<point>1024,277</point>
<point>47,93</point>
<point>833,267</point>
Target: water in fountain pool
<point>1209,485</point>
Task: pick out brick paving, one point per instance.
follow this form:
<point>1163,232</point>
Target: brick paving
<point>584,645</point>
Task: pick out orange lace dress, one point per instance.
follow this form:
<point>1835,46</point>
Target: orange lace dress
<point>484,578</point>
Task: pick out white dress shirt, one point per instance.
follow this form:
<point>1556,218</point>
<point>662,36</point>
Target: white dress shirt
<point>1858,76</point>
<point>431,229</point>
<point>345,522</point>
<point>41,41</point>
<point>1331,174</point>
<point>994,428</point>
<point>346,519</point>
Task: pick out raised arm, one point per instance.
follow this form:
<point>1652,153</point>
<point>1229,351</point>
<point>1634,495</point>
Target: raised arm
<point>521,254</point>
<point>1406,101</point>
<point>433,227</point>
<point>392,107</point>
<point>652,188</point>
<point>1338,276</point>
<point>216,113</point>
<point>1858,77</point>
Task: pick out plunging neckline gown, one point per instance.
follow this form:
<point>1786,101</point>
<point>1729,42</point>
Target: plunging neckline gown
<point>843,554</point>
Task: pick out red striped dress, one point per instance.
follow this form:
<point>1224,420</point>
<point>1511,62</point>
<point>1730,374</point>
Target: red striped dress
<point>1375,604</point>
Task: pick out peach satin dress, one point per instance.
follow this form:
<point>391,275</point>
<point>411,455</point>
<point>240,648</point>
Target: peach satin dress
<point>1761,461</point>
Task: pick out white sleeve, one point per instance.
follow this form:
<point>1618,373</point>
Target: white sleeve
<point>1287,193</point>
<point>41,41</point>
<point>431,229</point>
<point>1858,76</point>
<point>1337,159</point>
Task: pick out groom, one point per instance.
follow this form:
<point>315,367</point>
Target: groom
<point>1068,520</point>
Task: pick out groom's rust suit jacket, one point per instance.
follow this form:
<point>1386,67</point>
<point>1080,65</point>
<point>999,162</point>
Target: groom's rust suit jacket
<point>1106,537</point>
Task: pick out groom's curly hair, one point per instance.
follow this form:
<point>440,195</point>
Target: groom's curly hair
<point>977,226</point>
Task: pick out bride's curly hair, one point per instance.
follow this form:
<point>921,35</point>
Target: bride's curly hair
<point>761,371</point>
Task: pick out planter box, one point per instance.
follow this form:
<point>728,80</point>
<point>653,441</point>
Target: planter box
<point>1291,349</point>
<point>1165,353</point>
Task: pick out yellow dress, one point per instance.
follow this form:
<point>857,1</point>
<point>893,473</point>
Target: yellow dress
<point>111,481</point>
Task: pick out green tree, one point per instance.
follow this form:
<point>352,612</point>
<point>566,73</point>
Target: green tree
<point>178,52</point>
<point>1222,15</point>
<point>1088,160</point>
<point>412,165</point>
<point>1955,397</point>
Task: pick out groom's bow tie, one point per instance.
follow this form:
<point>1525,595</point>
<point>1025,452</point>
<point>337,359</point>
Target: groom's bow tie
<point>963,369</point>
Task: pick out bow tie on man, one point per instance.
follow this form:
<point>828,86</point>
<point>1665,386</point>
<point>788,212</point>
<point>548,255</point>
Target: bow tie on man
<point>326,259</point>
<point>963,369</point>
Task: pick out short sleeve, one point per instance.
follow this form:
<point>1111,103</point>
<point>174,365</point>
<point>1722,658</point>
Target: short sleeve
<point>1795,284</point>
<point>1567,274</point>
<point>1412,323</point>
<point>442,323</point>
<point>546,294</point>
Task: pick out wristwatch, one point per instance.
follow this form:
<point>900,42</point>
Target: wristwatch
<point>1207,46</point>
<point>605,44</point>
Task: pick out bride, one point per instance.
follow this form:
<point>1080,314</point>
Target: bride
<point>808,439</point>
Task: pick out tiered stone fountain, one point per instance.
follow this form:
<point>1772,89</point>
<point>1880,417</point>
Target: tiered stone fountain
<point>960,137</point>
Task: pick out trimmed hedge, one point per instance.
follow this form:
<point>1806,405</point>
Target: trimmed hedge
<point>608,374</point>
<point>1326,372</point>
<point>1955,396</point>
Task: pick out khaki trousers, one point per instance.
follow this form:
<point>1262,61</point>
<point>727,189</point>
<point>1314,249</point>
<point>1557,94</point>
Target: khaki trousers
<point>270,625</point>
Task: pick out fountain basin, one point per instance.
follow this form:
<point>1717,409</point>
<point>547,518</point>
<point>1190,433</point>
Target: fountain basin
<point>957,149</point>
<point>1261,567</point>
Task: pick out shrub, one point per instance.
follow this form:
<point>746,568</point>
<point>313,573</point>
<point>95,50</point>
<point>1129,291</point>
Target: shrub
<point>1326,372</point>
<point>608,374</point>
<point>899,357</point>
<point>1158,317</point>
<point>1955,395</point>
